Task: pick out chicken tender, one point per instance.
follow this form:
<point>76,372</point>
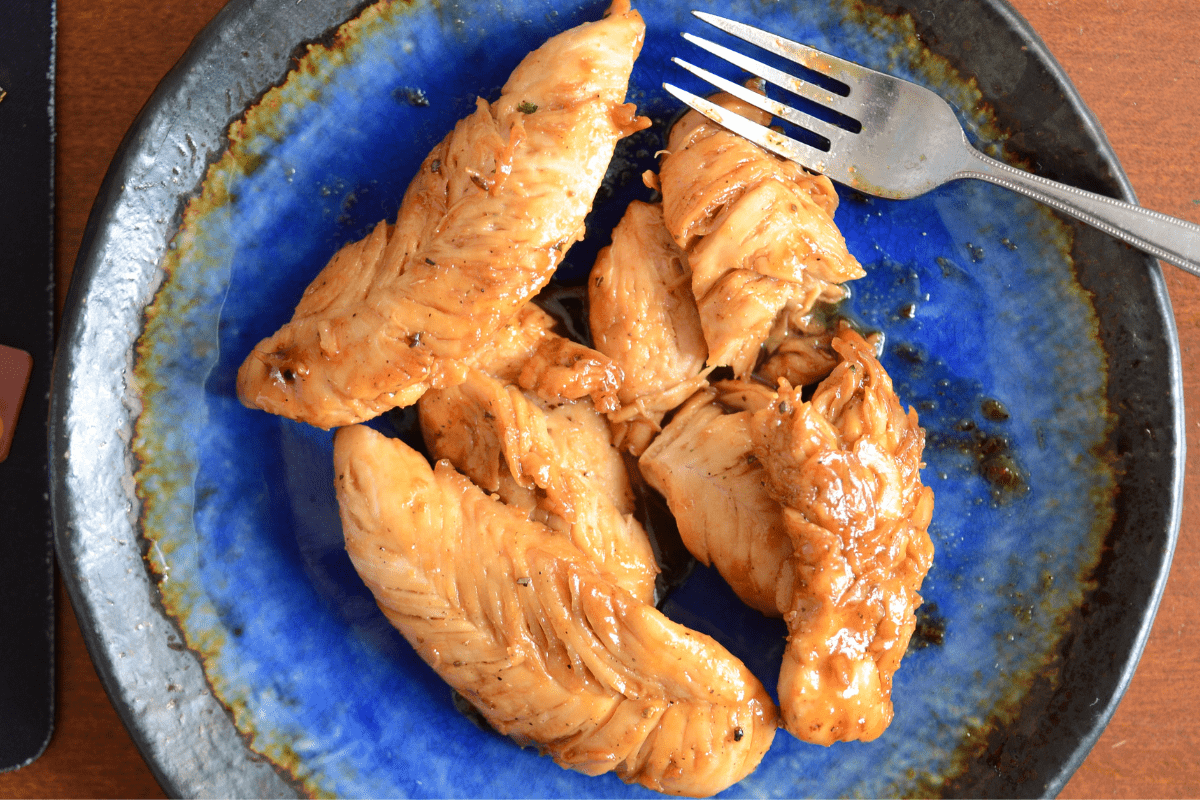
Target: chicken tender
<point>813,511</point>
<point>480,230</point>
<point>643,316</point>
<point>556,465</point>
<point>758,232</point>
<point>845,466</point>
<point>519,621</point>
<point>703,463</point>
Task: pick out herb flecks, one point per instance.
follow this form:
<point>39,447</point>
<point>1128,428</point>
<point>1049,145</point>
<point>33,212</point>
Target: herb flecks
<point>526,107</point>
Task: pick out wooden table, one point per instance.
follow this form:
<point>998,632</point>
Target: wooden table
<point>1137,66</point>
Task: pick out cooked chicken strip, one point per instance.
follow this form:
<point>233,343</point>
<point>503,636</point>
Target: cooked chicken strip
<point>561,369</point>
<point>703,463</point>
<point>800,358</point>
<point>846,468</point>
<point>505,355</point>
<point>758,232</point>
<point>643,316</point>
<point>518,620</point>
<point>480,230</point>
<point>557,466</point>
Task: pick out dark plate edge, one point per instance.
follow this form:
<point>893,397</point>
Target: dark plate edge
<point>1124,190</point>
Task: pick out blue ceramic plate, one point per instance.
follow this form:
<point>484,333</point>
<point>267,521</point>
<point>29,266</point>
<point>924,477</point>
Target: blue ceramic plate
<point>202,543</point>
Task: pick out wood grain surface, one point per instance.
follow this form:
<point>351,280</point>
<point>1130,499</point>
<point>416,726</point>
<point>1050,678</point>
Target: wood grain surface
<point>1135,62</point>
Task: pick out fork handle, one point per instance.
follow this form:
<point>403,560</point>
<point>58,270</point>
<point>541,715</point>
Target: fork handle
<point>1173,240</point>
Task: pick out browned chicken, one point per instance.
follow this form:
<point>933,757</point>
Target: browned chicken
<point>846,468</point>
<point>518,620</point>
<point>802,356</point>
<point>481,229</point>
<point>556,465</point>
<point>476,449</point>
<point>816,511</point>
<point>505,355</point>
<point>758,232</point>
<point>643,316</point>
<point>704,465</point>
<point>561,369</point>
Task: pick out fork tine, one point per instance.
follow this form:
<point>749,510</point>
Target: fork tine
<point>834,134</point>
<point>790,83</point>
<point>805,155</point>
<point>839,69</point>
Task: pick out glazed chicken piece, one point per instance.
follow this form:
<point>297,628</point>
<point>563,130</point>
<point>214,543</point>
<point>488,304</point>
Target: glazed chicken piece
<point>505,355</point>
<point>519,621</point>
<point>545,450</point>
<point>703,463</point>
<point>643,316</point>
<point>554,464</point>
<point>814,511</point>
<point>480,230</point>
<point>758,232</point>
<point>846,468</point>
<point>561,369</point>
<point>802,357</point>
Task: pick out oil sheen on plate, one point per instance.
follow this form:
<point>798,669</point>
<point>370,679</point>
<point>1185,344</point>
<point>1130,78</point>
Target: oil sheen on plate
<point>986,333</point>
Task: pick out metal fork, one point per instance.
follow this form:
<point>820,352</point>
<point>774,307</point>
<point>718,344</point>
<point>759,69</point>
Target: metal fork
<point>899,140</point>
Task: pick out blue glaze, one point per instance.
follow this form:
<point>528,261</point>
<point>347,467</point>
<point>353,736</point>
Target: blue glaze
<point>248,540</point>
